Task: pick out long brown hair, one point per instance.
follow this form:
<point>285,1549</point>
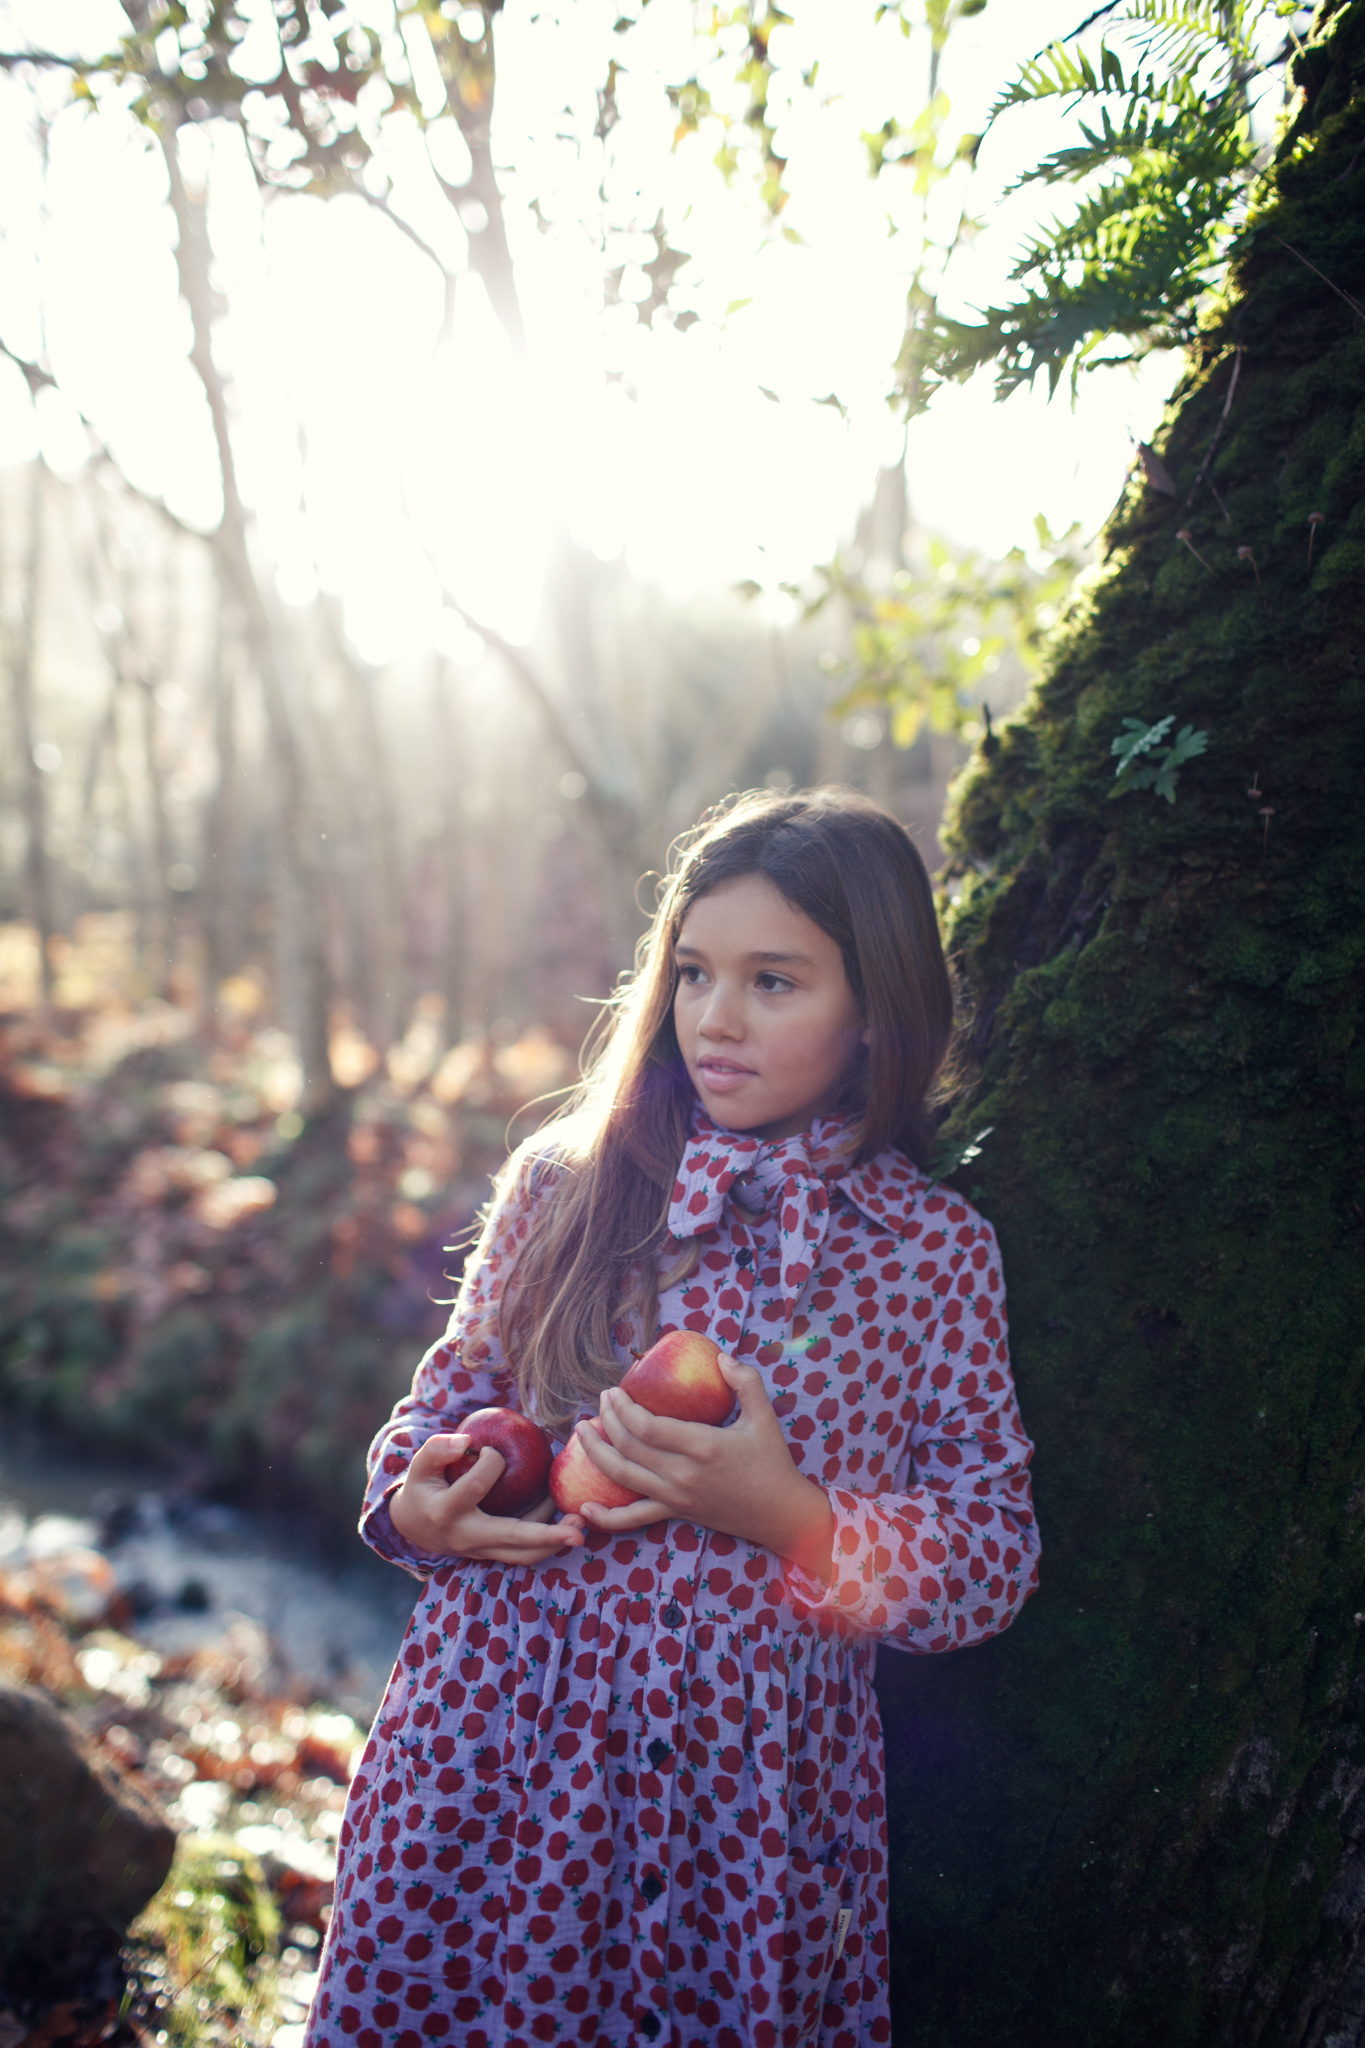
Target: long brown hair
<point>601,1174</point>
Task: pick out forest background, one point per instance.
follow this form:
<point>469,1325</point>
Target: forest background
<point>445,450</point>
<point>380,604</point>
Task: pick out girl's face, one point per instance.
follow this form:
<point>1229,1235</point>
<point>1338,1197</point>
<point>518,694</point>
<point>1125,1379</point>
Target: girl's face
<point>765,1018</point>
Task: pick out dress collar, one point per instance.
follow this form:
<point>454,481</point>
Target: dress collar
<point>884,1188</point>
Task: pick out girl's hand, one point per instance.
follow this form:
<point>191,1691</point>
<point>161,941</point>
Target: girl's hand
<point>740,1480</point>
<point>446,1520</point>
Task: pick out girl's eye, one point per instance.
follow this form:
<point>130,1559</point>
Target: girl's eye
<point>773,984</point>
<point>689,972</point>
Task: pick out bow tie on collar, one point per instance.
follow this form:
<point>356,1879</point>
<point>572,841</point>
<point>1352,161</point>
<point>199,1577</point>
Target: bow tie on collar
<point>792,1175</point>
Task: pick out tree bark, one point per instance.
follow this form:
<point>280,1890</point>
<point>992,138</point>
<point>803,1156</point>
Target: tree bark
<point>1138,1817</point>
<point>296,837</point>
<point>452,980</point>
<point>219,884</point>
<point>388,987</point>
<point>149,727</point>
<point>23,650</point>
<point>470,91</point>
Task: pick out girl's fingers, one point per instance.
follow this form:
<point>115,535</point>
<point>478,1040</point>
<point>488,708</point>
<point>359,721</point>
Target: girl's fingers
<point>633,1516</point>
<point>517,1542</point>
<point>469,1489</point>
<point>520,1560</point>
<point>747,1382</point>
<point>611,1414</point>
<point>618,1464</point>
<point>430,1459</point>
<point>659,1432</point>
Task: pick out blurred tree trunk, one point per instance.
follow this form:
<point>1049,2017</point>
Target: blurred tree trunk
<point>163,938</point>
<point>471,84</point>
<point>23,650</point>
<point>219,864</point>
<point>386,993</point>
<point>1139,1817</point>
<point>102,749</point>
<point>296,834</point>
<point>139,886</point>
<point>445,719</point>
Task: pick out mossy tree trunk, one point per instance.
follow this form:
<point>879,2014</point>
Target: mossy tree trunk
<point>1138,1818</point>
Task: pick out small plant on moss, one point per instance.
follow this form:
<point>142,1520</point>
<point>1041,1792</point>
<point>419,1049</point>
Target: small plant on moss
<point>960,1152</point>
<point>1145,764</point>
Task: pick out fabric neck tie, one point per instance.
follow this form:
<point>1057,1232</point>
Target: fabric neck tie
<point>793,1176</point>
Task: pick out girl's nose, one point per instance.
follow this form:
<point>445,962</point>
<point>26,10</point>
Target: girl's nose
<point>721,1017</point>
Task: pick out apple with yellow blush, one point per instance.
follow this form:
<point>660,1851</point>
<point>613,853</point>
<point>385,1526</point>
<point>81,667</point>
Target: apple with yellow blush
<point>680,1376</point>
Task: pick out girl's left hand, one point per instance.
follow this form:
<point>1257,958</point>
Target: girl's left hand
<point>740,1479</point>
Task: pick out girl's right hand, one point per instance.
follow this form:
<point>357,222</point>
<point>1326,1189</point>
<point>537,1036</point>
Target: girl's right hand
<point>446,1520</point>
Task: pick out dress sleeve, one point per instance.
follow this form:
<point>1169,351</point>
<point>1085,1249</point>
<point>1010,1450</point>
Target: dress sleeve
<point>950,1555</point>
<point>464,1371</point>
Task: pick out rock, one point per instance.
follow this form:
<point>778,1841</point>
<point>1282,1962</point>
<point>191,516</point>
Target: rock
<point>79,1844</point>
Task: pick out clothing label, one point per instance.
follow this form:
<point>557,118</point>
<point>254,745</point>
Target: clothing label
<point>842,1920</point>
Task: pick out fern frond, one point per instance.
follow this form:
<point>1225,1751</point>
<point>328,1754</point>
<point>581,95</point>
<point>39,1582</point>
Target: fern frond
<point>1173,202</point>
<point>1166,130</point>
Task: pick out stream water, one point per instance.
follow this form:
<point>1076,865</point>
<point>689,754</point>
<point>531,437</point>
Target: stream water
<point>189,1569</point>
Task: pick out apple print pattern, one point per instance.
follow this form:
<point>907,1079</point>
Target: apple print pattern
<point>636,1796</point>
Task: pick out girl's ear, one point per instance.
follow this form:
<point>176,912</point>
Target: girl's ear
<point>866,1037</point>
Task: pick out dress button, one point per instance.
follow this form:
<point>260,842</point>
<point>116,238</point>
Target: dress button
<point>651,1888</point>
<point>650,2025</point>
<point>672,1616</point>
<point>657,1753</point>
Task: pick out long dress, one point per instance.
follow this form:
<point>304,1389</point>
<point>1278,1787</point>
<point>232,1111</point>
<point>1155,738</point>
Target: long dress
<point>636,1796</point>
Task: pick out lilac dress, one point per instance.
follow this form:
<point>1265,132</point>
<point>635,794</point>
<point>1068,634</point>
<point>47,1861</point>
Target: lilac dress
<point>636,1796</point>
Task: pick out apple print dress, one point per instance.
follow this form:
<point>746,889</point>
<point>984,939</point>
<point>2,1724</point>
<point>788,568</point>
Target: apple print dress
<point>636,1796</point>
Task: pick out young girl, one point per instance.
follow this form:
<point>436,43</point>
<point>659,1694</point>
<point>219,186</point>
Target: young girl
<point>626,1783</point>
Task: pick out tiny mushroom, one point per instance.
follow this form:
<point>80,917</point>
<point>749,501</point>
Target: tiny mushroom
<point>1245,555</point>
<point>1188,538</point>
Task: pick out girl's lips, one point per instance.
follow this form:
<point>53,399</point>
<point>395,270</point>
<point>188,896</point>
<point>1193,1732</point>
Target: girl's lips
<point>722,1076</point>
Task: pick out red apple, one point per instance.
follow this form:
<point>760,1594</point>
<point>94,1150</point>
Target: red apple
<point>525,1449</point>
<point>679,1376</point>
<point>574,1478</point>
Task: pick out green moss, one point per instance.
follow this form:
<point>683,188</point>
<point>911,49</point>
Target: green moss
<point>1121,1823</point>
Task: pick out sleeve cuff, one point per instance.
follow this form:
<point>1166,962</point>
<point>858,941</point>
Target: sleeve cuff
<point>377,1529</point>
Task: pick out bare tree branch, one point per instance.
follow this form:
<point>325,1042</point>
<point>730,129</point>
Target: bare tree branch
<point>11,59</point>
<point>532,684</point>
<point>102,456</point>
<point>390,213</point>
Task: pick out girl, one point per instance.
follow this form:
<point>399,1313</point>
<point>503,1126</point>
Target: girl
<point>626,1783</point>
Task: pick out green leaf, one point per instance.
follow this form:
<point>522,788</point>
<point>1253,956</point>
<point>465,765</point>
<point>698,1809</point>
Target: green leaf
<point>957,1153</point>
<point>1136,739</point>
<point>1187,745</point>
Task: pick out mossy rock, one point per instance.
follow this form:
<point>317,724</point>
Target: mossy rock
<point>1135,1818</point>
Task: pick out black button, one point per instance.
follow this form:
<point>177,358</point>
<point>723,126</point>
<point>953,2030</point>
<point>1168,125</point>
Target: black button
<point>649,2025</point>
<point>744,1257</point>
<point>657,1753</point>
<point>672,1616</point>
<point>651,1888</point>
